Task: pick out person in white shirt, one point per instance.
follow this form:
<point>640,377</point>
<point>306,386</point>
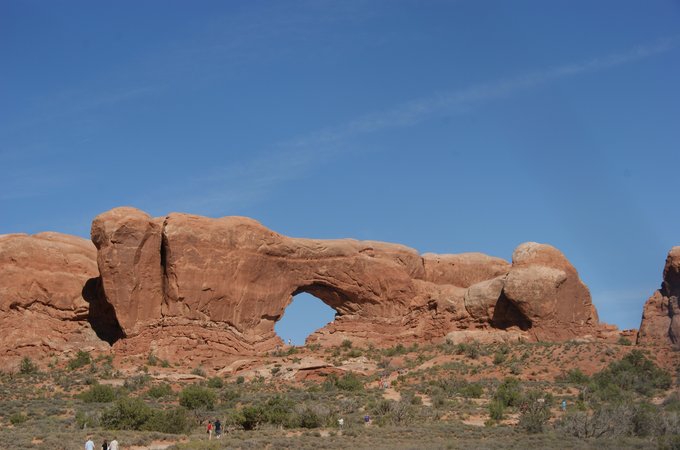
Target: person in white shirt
<point>113,445</point>
<point>89,445</point>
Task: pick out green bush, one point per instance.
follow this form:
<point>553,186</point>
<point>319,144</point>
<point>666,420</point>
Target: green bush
<point>18,418</point>
<point>159,391</point>
<point>173,421</point>
<point>86,419</point>
<point>134,414</point>
<point>496,409</point>
<point>136,382</point>
<point>197,397</point>
<point>27,366</point>
<point>99,393</point>
<point>127,414</point>
<point>199,371</point>
<point>215,383</point>
<point>81,359</point>
<point>398,349</point>
<point>633,373</point>
<point>471,390</point>
<point>471,350</point>
<point>574,376</point>
<point>509,392</point>
<point>348,382</point>
<point>535,412</point>
<point>308,418</point>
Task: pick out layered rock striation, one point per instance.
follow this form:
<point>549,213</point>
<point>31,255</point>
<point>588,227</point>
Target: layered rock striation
<point>186,286</point>
<point>661,314</point>
<point>50,297</point>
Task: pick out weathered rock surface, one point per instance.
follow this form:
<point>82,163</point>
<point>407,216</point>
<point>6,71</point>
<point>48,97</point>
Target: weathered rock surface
<point>545,288</point>
<point>186,286</point>
<point>661,315</point>
<point>48,296</point>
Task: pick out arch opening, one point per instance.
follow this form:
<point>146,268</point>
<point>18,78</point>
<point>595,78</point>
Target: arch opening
<point>303,316</point>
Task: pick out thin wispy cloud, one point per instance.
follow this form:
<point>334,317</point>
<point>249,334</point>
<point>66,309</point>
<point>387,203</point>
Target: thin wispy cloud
<point>415,111</point>
<point>239,184</point>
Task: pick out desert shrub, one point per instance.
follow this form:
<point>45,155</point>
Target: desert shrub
<point>624,341</point>
<point>277,410</point>
<point>496,409</point>
<point>27,366</point>
<point>609,420</point>
<point>136,382</point>
<point>18,418</point>
<point>81,359</point>
<point>633,373</point>
<point>499,358</point>
<point>348,382</point>
<point>398,349</point>
<point>672,402</point>
<point>645,420</point>
<point>574,376</point>
<point>240,380</point>
<point>159,391</point>
<point>215,383</point>
<point>98,393</point>
<point>196,397</point>
<point>346,344</point>
<point>127,414</point>
<point>534,412</point>
<point>308,418</point>
<point>229,396</point>
<point>199,371</point>
<point>173,421</point>
<point>134,414</point>
<point>86,419</point>
<point>152,359</point>
<point>471,390</point>
<point>471,350</point>
<point>509,392</point>
<point>249,417</point>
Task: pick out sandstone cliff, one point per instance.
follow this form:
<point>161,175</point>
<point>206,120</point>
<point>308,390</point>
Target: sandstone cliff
<point>49,297</point>
<point>186,285</point>
<point>661,315</point>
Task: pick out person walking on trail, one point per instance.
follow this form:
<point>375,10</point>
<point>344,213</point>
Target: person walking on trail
<point>113,445</point>
<point>210,430</point>
<point>89,444</point>
<point>105,445</point>
<point>218,429</point>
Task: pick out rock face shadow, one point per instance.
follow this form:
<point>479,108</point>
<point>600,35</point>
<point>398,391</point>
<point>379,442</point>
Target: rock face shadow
<point>101,315</point>
<point>506,315</point>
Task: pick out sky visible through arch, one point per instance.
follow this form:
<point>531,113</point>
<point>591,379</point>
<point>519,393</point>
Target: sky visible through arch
<point>447,126</point>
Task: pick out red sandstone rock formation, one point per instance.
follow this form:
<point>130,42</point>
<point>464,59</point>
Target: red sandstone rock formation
<point>661,315</point>
<point>48,296</point>
<point>186,286</point>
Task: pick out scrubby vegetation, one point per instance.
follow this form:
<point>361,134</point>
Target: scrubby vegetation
<point>480,396</point>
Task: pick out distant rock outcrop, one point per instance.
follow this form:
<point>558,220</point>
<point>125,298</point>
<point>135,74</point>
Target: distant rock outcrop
<point>186,286</point>
<point>50,302</point>
<point>661,315</point>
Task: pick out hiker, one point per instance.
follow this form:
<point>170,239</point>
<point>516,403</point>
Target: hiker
<point>105,445</point>
<point>89,444</point>
<point>218,429</point>
<point>341,422</point>
<point>564,405</point>
<point>210,430</point>
<point>367,420</point>
<point>113,445</point>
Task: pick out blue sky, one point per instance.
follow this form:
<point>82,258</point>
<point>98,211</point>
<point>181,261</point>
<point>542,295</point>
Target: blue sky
<point>446,126</point>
